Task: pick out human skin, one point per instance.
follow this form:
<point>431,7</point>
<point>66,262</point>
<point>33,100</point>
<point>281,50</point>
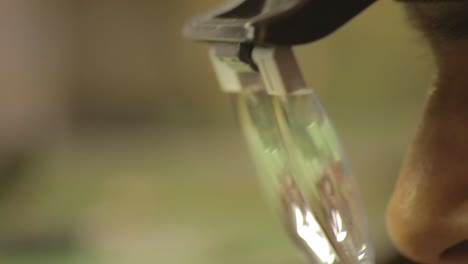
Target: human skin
<point>428,213</point>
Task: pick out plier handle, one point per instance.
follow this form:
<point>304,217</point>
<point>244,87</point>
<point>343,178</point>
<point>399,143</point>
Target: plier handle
<point>274,22</point>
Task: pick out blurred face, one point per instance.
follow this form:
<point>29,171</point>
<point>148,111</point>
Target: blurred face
<point>428,212</point>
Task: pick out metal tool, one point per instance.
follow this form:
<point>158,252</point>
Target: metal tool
<point>274,22</point>
<point>300,162</point>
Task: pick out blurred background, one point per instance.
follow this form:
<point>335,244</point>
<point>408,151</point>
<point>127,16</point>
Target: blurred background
<point>117,146</point>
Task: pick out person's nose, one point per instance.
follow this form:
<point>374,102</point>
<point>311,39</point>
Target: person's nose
<point>428,212</point>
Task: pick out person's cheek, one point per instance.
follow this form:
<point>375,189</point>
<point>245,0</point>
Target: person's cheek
<point>428,212</point>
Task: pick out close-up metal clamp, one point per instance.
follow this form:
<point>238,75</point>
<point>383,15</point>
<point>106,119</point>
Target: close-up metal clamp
<point>301,165</point>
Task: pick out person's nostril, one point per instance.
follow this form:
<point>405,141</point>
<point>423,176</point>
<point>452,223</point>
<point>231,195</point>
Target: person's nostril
<point>459,252</point>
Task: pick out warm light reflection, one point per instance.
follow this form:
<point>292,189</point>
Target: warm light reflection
<point>310,231</point>
<point>338,229</point>
<point>363,252</point>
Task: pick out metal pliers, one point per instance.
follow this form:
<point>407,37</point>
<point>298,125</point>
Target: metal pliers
<point>288,132</point>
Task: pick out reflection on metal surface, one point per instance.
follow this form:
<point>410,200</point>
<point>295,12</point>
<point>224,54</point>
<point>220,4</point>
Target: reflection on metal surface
<point>309,230</point>
<point>337,225</point>
<point>301,165</point>
<point>304,174</point>
<point>303,226</point>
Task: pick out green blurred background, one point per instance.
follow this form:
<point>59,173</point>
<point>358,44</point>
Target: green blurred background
<point>117,146</point>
